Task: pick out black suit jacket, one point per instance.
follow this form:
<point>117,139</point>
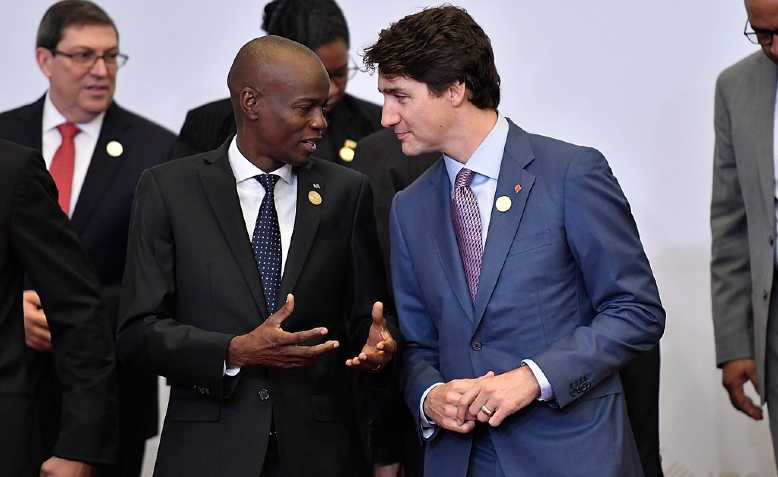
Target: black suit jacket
<point>380,156</point>
<point>208,126</point>
<point>101,220</point>
<point>36,239</point>
<point>191,284</point>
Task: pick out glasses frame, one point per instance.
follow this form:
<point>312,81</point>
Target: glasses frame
<point>121,59</point>
<point>753,35</point>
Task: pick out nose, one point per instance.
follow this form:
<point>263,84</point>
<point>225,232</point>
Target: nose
<point>99,68</point>
<point>318,122</point>
<point>388,117</point>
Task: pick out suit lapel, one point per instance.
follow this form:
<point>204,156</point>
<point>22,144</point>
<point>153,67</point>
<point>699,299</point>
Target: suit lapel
<point>219,185</point>
<point>503,225</point>
<point>103,167</point>
<point>439,213</point>
<point>763,108</point>
<point>306,223</point>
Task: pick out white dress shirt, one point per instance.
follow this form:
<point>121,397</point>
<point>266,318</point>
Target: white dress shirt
<point>485,162</point>
<point>85,142</point>
<point>250,195</point>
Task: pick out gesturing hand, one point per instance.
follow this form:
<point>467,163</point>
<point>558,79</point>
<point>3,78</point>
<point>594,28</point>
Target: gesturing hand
<point>269,345</point>
<point>58,467</point>
<point>442,404</point>
<point>379,347</point>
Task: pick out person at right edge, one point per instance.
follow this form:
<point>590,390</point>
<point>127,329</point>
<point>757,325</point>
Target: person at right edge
<point>520,282</point>
<point>742,220</point>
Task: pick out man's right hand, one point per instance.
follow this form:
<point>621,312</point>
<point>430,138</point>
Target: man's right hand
<point>58,467</point>
<point>734,375</point>
<point>36,329</point>
<point>442,404</point>
<point>269,345</point>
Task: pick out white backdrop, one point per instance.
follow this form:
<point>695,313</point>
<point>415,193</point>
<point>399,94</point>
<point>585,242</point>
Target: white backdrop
<point>634,79</point>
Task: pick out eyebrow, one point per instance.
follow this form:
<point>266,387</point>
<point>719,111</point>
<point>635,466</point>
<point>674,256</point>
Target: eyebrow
<point>392,91</point>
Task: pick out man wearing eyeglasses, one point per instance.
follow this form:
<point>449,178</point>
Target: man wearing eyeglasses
<point>95,151</point>
<point>743,220</point>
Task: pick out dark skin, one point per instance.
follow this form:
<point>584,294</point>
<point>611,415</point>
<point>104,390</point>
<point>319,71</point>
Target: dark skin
<point>279,90</point>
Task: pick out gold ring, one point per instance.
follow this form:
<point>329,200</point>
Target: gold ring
<point>486,410</point>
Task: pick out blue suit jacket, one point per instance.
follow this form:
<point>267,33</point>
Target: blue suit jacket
<point>564,281</point>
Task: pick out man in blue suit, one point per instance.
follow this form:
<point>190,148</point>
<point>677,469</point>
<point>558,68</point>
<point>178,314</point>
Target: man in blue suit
<point>520,281</point>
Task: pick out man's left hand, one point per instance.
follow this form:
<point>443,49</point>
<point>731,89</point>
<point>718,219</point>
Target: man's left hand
<point>500,396</point>
<point>380,345</point>
<point>387,470</point>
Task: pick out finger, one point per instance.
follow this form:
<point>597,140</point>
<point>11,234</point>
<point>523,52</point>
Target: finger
<point>313,352</point>
<point>475,407</point>
<point>465,401</point>
<point>453,425</point>
<point>743,403</point>
<point>299,337</point>
<point>37,320</point>
<point>378,314</point>
<point>389,345</point>
<point>31,296</point>
<point>498,416</point>
<point>751,373</point>
<point>283,313</point>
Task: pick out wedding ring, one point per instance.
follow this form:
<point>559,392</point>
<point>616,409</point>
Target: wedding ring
<point>486,410</point>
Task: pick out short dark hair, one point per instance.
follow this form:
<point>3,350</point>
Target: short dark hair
<point>313,23</point>
<point>68,13</point>
<point>439,47</point>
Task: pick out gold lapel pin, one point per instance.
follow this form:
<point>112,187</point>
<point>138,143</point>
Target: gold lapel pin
<point>114,148</point>
<point>517,188</point>
<point>503,203</point>
<point>346,152</point>
<point>314,197</point>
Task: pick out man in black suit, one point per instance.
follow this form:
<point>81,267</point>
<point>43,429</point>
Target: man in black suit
<point>321,26</point>
<point>36,240</point>
<point>218,242</point>
<point>95,151</point>
<point>380,157</point>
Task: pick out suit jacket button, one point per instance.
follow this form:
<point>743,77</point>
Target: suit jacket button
<point>476,345</point>
<point>764,294</point>
<point>771,239</point>
<point>263,394</point>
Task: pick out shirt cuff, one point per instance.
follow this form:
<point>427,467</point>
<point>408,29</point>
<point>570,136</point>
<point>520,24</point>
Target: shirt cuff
<point>546,392</point>
<point>427,426</point>
<point>231,372</point>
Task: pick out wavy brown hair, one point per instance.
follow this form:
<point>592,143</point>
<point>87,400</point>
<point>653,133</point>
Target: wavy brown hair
<point>439,47</point>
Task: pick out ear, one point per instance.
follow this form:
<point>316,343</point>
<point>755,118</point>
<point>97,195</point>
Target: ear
<point>44,57</point>
<point>457,93</point>
<point>250,100</point>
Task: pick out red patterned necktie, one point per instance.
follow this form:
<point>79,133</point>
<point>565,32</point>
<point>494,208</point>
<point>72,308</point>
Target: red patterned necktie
<point>467,225</point>
<point>62,165</point>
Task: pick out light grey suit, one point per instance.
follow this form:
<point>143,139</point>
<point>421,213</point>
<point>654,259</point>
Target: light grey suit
<point>743,218</point>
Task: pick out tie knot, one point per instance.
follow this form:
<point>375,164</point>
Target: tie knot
<point>68,130</point>
<point>464,178</point>
<point>268,181</point>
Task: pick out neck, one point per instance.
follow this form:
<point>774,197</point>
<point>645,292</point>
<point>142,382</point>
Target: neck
<point>251,150</point>
<point>73,115</point>
<point>470,130</point>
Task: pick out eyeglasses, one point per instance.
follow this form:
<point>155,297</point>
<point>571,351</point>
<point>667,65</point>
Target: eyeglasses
<point>347,71</point>
<point>87,58</point>
<point>759,36</point>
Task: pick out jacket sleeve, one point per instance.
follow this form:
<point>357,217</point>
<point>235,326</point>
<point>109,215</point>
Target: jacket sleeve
<point>149,336</point>
<point>730,269</point>
<point>617,278</point>
<point>81,335</point>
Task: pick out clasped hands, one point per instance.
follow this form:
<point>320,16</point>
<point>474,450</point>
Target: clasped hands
<point>457,405</point>
<point>269,345</point>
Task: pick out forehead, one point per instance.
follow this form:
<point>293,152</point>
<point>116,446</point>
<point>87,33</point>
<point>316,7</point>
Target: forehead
<point>297,80</point>
<point>96,37</point>
<point>392,84</point>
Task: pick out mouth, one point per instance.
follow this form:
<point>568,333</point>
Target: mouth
<point>402,135</point>
<point>310,144</point>
<point>97,89</point>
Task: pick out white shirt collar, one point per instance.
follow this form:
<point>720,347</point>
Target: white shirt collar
<point>53,118</point>
<point>244,170</point>
<point>487,158</point>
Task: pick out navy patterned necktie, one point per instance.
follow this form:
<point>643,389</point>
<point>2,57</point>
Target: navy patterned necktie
<point>266,243</point>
